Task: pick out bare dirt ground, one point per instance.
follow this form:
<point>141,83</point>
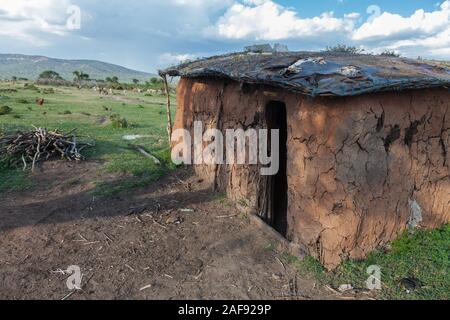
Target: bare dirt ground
<point>144,239</point>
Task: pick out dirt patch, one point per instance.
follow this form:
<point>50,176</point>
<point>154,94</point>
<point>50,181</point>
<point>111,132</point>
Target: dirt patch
<point>175,238</point>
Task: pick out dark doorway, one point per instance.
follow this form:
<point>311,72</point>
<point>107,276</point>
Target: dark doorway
<point>277,202</point>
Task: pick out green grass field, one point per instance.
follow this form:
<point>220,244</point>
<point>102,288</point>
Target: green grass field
<point>69,108</point>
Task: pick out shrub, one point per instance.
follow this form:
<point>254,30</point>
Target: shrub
<point>48,91</point>
<point>388,53</point>
<point>8,90</point>
<point>16,116</point>
<point>5,110</point>
<point>23,101</point>
<point>118,122</point>
<point>342,48</point>
<point>31,87</point>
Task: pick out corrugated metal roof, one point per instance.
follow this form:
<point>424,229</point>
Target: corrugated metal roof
<point>319,73</point>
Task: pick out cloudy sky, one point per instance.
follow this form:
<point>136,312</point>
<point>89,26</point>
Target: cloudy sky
<point>150,34</point>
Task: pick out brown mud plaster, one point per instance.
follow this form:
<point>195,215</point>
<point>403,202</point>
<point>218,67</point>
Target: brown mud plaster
<point>355,164</point>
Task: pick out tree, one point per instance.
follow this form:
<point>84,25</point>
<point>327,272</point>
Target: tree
<point>113,79</point>
<point>154,81</point>
<point>50,75</point>
<point>80,76</point>
<point>136,81</point>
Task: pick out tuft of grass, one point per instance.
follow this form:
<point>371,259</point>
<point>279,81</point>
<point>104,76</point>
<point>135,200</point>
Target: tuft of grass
<point>31,87</point>
<point>8,90</point>
<point>220,197</point>
<point>23,101</point>
<point>118,122</point>
<point>243,202</point>
<point>423,255</point>
<point>48,91</point>
<point>5,110</point>
<point>308,267</point>
<point>269,246</point>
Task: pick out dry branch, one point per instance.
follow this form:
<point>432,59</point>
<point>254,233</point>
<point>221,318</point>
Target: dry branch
<point>29,148</point>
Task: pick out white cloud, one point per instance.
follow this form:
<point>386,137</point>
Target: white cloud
<point>420,23</point>
<point>422,33</point>
<point>25,19</point>
<point>267,20</point>
<point>152,33</point>
<point>171,58</point>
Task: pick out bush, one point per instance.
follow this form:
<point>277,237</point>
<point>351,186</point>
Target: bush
<point>5,110</point>
<point>8,90</point>
<point>342,48</point>
<point>23,101</point>
<point>48,91</point>
<point>118,122</point>
<point>388,53</point>
<point>30,87</point>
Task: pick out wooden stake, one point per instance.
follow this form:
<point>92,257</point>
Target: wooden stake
<point>169,115</point>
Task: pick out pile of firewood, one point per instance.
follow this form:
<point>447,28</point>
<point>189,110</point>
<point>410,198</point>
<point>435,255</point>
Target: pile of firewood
<point>31,147</point>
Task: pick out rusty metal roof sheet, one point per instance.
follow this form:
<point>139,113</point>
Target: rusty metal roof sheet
<point>319,73</point>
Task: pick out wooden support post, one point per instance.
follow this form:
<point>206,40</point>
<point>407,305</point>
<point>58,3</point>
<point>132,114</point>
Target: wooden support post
<point>169,115</point>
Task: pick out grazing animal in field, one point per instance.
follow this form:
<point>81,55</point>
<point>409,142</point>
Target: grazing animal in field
<point>40,102</point>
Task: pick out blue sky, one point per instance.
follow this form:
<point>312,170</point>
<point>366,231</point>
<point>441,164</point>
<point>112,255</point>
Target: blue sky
<point>151,34</point>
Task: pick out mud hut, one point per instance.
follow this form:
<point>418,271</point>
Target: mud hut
<point>364,143</point>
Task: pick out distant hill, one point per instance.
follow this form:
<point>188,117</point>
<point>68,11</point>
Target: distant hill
<point>23,66</point>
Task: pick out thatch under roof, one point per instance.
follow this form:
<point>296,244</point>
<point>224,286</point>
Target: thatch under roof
<point>319,73</point>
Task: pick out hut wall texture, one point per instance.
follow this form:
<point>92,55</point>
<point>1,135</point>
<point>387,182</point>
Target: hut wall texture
<point>360,169</point>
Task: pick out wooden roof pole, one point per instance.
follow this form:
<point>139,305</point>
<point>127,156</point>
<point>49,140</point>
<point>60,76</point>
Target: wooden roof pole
<point>169,115</point>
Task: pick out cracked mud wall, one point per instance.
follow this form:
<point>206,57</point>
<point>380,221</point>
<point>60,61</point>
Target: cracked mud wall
<point>360,164</point>
<point>217,106</point>
<point>360,169</point>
